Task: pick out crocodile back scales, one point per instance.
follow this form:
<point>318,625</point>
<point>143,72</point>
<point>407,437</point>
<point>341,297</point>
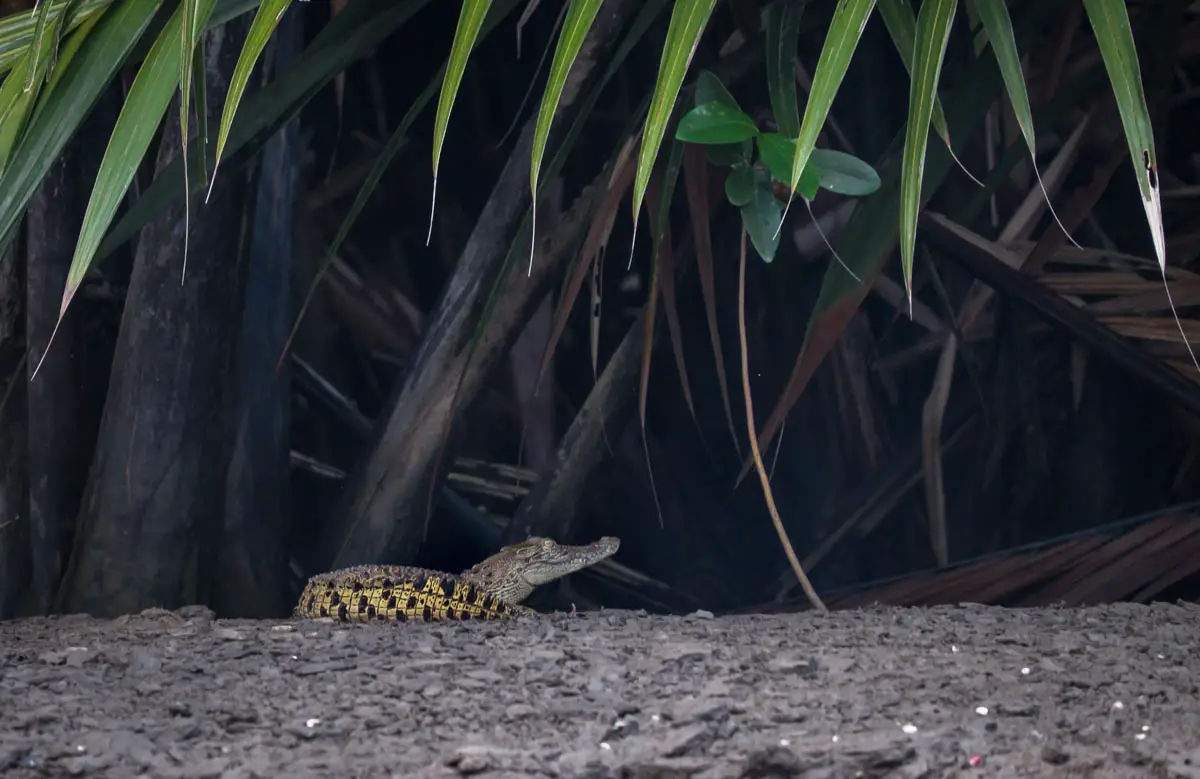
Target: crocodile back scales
<point>390,593</point>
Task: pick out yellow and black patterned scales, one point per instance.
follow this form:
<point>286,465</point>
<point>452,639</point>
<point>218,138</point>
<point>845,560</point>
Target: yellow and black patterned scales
<point>383,593</point>
<point>491,589</point>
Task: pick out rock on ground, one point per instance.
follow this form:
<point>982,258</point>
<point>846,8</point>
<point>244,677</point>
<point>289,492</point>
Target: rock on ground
<point>965,691</point>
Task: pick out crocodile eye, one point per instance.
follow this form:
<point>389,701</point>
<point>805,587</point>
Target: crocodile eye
<point>548,545</point>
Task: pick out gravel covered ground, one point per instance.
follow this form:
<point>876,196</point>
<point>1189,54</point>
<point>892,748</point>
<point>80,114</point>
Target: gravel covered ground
<point>967,691</point>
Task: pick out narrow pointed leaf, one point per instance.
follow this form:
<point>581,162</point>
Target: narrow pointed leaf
<point>901,25</point>
<point>43,14</point>
<point>15,104</point>
<point>933,33</point>
<point>350,35</point>
<point>265,21</point>
<point>1110,23</point>
<point>688,20</point>
<point>619,179</point>
<point>616,60</point>
<point>69,97</point>
<point>382,162</point>
<point>61,24</point>
<point>845,30</point>
<point>869,238</point>
<point>21,90</point>
<point>193,15</point>
<point>147,103</point>
<point>470,20</point>
<point>993,14</point>
<point>579,20</point>
<point>783,28</point>
<point>16,30</point>
<point>200,95</point>
<point>998,25</point>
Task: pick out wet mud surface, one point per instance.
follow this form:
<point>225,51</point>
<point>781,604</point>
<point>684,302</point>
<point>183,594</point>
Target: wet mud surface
<point>964,691</point>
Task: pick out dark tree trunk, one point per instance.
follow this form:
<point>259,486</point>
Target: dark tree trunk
<point>387,506</point>
<point>252,557</point>
<point>14,516</point>
<point>61,436</point>
<point>152,506</point>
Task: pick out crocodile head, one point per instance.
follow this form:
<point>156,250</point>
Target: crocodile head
<point>513,572</point>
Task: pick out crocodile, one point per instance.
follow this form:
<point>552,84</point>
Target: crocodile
<point>491,589</point>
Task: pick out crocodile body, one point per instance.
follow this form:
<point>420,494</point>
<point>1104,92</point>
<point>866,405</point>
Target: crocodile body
<point>492,589</point>
<point>395,593</point>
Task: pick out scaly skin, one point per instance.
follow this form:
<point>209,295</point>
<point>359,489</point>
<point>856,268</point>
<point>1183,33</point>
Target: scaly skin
<point>492,589</point>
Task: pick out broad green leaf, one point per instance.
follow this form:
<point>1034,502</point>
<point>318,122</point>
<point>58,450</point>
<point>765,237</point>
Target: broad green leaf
<point>761,216</point>
<point>265,21</point>
<point>715,123</point>
<point>579,20</point>
<point>193,14</point>
<point>1110,23</point>
<point>844,173</point>
<point>146,104</point>
<point>783,28</point>
<point>849,18</point>
<point>739,185</point>
<point>688,20</point>
<point>776,153</point>
<point>67,99</point>
<point>709,89</point>
<point>352,34</point>
<point>901,25</point>
<point>470,19</point>
<point>933,33</point>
